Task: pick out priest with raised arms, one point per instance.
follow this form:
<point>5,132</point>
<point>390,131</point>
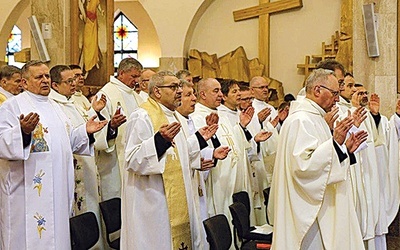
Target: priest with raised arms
<point>157,200</point>
<point>311,193</point>
<point>36,166</point>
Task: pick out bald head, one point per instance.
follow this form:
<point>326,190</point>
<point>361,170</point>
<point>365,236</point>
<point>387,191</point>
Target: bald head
<point>209,92</point>
<point>259,87</point>
<point>145,78</point>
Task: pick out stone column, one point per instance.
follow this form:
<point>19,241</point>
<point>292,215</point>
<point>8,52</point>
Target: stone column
<point>379,74</point>
<point>55,12</point>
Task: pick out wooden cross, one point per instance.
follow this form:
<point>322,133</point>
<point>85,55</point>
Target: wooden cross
<point>262,11</point>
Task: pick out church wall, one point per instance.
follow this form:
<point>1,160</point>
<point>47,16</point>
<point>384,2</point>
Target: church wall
<point>23,24</point>
<point>378,74</point>
<point>294,34</point>
<point>11,11</point>
<point>149,44</point>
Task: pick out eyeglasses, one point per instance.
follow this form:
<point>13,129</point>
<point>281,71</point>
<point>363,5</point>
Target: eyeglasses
<point>261,87</point>
<point>173,87</point>
<point>69,81</point>
<point>247,99</point>
<point>363,93</point>
<point>333,92</point>
<point>79,75</point>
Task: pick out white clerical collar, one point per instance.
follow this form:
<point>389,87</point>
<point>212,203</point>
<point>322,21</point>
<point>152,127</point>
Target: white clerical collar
<point>256,101</point>
<point>226,109</point>
<point>316,106</point>
<point>6,93</point>
<point>166,110</point>
<point>344,102</point>
<point>203,107</point>
<point>78,93</point>
<point>59,98</point>
<point>39,98</point>
<point>122,86</point>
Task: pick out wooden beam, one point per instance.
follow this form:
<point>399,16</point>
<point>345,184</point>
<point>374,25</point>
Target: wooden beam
<point>263,39</point>
<point>266,8</point>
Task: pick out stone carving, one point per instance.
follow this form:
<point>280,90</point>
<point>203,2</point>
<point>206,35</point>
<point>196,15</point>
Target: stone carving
<point>233,65</point>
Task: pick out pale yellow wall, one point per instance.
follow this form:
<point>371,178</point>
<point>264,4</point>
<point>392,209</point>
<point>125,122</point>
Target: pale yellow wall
<point>23,24</point>
<point>10,12</point>
<point>294,34</point>
<point>149,44</point>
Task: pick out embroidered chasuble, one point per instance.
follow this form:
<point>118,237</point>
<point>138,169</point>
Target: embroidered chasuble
<point>173,184</point>
<point>37,196</point>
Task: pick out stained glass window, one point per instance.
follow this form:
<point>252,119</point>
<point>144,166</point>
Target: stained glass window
<point>14,44</point>
<point>125,39</point>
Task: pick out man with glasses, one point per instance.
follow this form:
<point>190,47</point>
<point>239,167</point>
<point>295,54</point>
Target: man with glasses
<point>36,168</point>
<point>78,97</point>
<point>311,187</point>
<point>157,199</point>
<point>121,99</point>
<point>379,163</point>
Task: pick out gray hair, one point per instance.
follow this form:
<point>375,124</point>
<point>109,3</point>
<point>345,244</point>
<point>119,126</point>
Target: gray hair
<point>158,79</point>
<point>7,71</point>
<point>316,77</point>
<point>25,69</point>
<point>183,73</point>
<point>129,63</point>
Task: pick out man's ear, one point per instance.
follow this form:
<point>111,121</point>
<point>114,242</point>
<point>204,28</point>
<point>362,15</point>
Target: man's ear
<point>54,86</point>
<point>202,95</point>
<point>24,83</point>
<point>156,92</point>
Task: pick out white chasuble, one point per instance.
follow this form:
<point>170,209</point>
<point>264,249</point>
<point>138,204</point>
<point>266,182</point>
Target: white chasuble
<point>37,181</point>
<point>146,223</point>
<point>311,192</point>
<point>111,159</point>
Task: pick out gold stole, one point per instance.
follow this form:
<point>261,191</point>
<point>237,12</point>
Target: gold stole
<point>174,185</point>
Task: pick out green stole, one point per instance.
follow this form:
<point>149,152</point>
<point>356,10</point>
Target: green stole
<point>174,185</point>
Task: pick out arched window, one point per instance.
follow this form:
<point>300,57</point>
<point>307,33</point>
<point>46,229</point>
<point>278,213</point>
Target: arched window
<point>125,39</point>
<point>14,44</point>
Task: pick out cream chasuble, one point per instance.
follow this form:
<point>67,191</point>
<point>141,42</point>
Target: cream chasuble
<point>146,204</point>
<point>37,181</point>
<point>110,160</point>
<point>86,195</point>
<point>311,191</point>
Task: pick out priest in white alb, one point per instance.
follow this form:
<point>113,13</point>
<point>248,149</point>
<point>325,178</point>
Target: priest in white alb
<point>158,208</point>
<point>311,193</point>
<point>36,168</point>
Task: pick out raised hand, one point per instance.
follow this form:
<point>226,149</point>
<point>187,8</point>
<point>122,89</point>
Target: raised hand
<point>374,103</point>
<point>355,99</point>
<point>99,104</point>
<point>169,131</point>
<point>208,131</point>
<point>341,129</point>
<point>93,126</point>
<point>221,152</point>
<point>246,116</point>
<point>359,115</point>
<point>263,114</point>
<point>206,164</point>
<point>117,119</point>
<point>331,116</point>
<point>355,140</point>
<point>212,118</point>
<point>283,113</point>
<point>262,136</point>
<point>28,123</point>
